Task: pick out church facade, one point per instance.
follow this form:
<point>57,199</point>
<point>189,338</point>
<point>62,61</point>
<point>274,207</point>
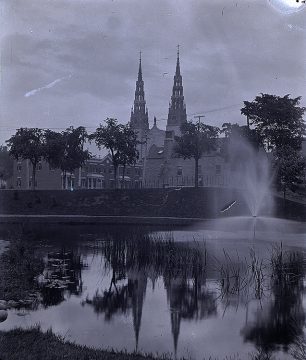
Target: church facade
<point>161,166</point>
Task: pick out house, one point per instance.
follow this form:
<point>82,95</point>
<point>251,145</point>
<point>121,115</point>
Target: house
<point>96,173</point>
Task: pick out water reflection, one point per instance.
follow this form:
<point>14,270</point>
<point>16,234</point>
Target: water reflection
<point>280,319</point>
<point>61,276</point>
<point>199,283</point>
<point>133,262</point>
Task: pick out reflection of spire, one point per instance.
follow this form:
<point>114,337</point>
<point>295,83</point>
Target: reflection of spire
<point>175,328</point>
<point>174,298</point>
<point>138,288</point>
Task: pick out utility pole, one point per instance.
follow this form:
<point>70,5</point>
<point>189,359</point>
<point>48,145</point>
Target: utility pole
<point>199,117</point>
<point>196,175</point>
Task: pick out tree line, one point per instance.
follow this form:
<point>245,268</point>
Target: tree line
<point>273,123</point>
<point>65,150</point>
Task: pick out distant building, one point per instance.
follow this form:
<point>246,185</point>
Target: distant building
<point>46,177</point>
<point>161,166</point>
<point>99,174</point>
<point>96,173</point>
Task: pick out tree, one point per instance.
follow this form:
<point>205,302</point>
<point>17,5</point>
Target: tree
<point>235,134</point>
<point>279,123</point>
<point>110,136</point>
<point>290,168</point>
<point>65,150</point>
<point>128,153</point>
<point>196,140</point>
<point>54,148</point>
<point>28,144</point>
<point>277,120</point>
<point>6,164</point>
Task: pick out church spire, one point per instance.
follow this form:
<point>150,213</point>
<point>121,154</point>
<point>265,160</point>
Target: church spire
<point>177,109</point>
<point>140,69</point>
<point>178,70</point>
<point>139,114</point>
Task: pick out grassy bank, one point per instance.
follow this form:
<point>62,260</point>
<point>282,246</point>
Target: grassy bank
<point>32,344</point>
<point>185,202</point>
<point>181,203</point>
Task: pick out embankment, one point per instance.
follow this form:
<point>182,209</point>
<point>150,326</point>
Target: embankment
<point>180,203</point>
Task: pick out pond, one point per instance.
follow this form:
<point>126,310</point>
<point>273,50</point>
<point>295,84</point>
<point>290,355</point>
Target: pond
<point>194,292</point>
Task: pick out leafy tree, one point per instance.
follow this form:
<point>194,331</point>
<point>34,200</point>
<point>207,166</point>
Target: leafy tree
<point>54,148</point>
<point>110,136</point>
<point>196,140</point>
<point>6,164</point>
<point>128,152</point>
<point>279,123</point>
<point>28,144</point>
<point>65,150</point>
<point>235,134</point>
<point>277,120</point>
<point>290,168</point>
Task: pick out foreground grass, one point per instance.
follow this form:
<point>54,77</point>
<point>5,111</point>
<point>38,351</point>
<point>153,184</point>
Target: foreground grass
<point>32,344</point>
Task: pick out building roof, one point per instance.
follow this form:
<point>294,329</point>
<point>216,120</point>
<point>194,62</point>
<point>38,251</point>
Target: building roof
<point>156,152</point>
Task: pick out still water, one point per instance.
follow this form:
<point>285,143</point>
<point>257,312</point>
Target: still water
<point>193,292</point>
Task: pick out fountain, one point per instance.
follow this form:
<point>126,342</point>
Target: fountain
<point>250,214</point>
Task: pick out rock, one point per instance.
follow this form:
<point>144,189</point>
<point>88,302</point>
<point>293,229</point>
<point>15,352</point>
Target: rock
<point>3,315</point>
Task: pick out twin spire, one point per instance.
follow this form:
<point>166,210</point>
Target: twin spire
<point>177,109</point>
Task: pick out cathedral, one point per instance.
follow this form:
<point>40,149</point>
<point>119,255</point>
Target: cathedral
<point>161,166</point>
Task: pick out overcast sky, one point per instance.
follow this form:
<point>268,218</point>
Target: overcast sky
<point>75,62</point>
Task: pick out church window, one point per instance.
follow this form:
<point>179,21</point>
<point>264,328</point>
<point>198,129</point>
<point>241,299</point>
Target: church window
<point>179,171</point>
<point>218,169</point>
